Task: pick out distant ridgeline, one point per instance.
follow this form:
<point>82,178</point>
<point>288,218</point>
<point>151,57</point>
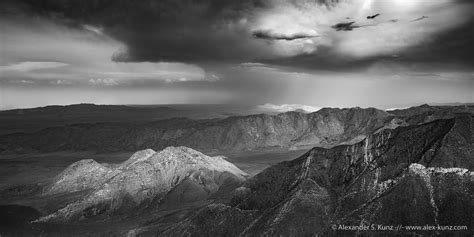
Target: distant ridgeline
<point>325,128</point>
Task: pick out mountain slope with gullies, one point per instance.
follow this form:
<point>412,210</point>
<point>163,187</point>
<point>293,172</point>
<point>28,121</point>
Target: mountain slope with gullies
<point>393,177</point>
<point>325,128</point>
<point>141,182</point>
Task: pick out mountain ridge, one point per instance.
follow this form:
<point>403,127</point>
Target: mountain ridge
<point>325,128</point>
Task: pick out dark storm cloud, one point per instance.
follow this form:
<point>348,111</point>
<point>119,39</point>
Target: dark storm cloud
<point>269,35</point>
<point>171,30</point>
<point>201,31</point>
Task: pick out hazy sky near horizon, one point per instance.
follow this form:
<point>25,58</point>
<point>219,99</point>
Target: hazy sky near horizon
<point>238,52</point>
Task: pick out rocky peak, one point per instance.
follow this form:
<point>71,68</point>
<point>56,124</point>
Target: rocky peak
<point>138,157</point>
<point>145,179</point>
<point>79,176</point>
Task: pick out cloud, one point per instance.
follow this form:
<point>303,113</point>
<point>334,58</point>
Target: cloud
<point>31,66</point>
<point>52,54</point>
<point>205,51</point>
<point>93,29</point>
<point>396,108</point>
<point>24,82</point>
<point>211,30</point>
<point>252,64</point>
<point>154,71</point>
<point>269,35</point>
<point>103,81</point>
<point>61,82</point>
<point>168,30</point>
<point>259,67</point>
<point>213,77</point>
<point>288,107</point>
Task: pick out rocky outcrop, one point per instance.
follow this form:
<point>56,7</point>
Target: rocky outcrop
<point>143,180</point>
<point>389,178</point>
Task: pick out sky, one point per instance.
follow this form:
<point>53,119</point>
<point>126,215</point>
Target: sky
<point>274,53</point>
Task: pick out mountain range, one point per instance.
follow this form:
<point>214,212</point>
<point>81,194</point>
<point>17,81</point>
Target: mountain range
<point>367,171</point>
<point>325,128</point>
<point>399,176</point>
